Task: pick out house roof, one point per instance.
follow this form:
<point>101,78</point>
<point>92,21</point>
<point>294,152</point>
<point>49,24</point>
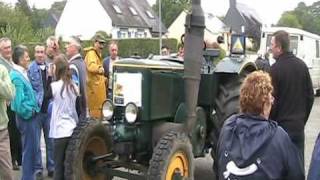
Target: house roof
<point>133,13</point>
<point>213,23</point>
<point>240,15</point>
<point>144,8</point>
<point>248,13</point>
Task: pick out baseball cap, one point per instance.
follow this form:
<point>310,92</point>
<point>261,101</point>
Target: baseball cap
<point>99,37</point>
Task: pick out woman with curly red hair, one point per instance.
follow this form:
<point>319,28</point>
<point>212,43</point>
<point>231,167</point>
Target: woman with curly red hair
<point>251,146</point>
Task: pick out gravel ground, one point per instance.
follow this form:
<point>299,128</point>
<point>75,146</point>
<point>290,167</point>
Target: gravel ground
<point>203,165</point>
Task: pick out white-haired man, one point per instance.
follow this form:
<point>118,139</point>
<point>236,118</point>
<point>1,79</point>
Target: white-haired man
<point>79,74</point>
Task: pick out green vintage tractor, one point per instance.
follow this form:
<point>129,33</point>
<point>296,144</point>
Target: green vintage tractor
<point>163,113</point>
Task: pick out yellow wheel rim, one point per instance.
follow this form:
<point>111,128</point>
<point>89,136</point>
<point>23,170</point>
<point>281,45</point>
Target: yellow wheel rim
<point>178,163</point>
<point>97,146</point>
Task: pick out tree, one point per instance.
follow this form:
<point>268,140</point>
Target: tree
<point>24,7</point>
<point>303,17</point>
<point>16,25</point>
<point>58,6</point>
<point>170,9</point>
<point>288,19</point>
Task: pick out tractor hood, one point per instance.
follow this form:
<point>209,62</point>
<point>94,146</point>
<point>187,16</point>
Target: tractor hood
<point>150,63</point>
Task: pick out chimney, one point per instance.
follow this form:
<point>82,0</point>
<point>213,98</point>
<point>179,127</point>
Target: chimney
<point>232,3</point>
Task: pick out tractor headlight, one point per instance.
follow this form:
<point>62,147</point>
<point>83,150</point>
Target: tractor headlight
<point>107,110</point>
<point>131,113</point>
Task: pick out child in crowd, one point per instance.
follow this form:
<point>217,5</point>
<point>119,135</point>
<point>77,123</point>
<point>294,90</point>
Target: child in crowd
<point>64,116</point>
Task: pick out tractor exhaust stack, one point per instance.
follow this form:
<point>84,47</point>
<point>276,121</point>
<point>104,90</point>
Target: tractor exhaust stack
<point>194,31</point>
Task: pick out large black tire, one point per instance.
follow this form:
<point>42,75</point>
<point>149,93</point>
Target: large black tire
<point>90,138</point>
<point>227,104</point>
<point>173,153</point>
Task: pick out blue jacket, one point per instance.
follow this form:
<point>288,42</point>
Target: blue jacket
<point>24,103</point>
<point>251,147</point>
<point>314,169</point>
<point>35,77</point>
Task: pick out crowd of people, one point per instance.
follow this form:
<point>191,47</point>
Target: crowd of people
<point>51,94</point>
<point>266,139</point>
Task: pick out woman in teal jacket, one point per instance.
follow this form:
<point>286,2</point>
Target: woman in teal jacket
<point>25,106</point>
<point>24,103</point>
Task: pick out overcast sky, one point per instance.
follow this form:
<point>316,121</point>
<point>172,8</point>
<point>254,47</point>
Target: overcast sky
<point>269,11</point>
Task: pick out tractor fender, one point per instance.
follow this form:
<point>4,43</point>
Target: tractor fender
<point>235,65</point>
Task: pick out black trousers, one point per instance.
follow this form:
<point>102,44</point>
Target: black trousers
<point>298,140</point>
<point>15,138</point>
<point>60,146</point>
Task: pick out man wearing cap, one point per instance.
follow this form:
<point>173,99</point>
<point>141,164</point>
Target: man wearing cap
<point>96,90</point>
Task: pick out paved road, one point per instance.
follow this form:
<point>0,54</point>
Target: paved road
<point>203,165</point>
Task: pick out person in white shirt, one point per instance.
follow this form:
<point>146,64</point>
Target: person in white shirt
<point>64,116</point>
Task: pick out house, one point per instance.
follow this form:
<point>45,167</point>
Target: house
<point>118,18</point>
<point>241,17</point>
<point>214,27</point>
<point>52,20</point>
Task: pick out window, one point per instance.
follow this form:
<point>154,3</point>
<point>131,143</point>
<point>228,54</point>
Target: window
<point>123,33</point>
<point>133,11</point>
<point>293,47</point>
<point>269,36</point>
<point>140,33</point>
<point>150,15</point>
<point>317,49</point>
<point>117,9</point>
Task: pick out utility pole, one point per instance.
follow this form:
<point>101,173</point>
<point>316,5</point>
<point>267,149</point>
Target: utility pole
<point>160,28</point>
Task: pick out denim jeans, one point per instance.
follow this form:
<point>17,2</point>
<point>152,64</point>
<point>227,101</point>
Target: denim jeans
<point>30,130</point>
<point>44,120</point>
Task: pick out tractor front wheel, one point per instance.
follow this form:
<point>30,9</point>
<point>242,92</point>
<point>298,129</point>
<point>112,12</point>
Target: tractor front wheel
<point>172,157</point>
<point>89,139</point>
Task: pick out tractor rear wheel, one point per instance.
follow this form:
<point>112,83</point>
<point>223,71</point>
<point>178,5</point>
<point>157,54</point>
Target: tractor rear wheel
<point>227,104</point>
<point>89,139</point>
<point>172,157</point>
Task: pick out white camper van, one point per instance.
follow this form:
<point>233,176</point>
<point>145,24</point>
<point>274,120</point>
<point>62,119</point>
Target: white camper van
<point>303,44</point>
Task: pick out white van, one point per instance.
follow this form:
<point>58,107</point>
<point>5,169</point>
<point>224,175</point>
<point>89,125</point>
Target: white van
<point>303,44</point>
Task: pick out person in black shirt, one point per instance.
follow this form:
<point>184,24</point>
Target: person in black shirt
<point>263,63</point>
<point>293,91</point>
<point>253,146</point>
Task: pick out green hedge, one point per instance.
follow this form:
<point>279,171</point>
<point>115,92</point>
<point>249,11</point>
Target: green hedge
<point>127,47</point>
<point>141,47</point>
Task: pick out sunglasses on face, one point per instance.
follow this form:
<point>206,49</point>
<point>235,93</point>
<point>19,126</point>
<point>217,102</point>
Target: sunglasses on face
<point>40,52</point>
<point>101,43</point>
